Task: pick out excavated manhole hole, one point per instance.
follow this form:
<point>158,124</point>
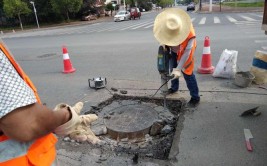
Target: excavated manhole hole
<point>132,125</point>
<point>130,121</point>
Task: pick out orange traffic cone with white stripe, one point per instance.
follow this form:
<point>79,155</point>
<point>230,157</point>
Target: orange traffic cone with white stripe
<point>206,66</point>
<point>66,61</point>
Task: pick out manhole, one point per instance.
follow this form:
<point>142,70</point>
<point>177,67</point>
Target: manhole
<point>135,126</point>
<point>130,121</point>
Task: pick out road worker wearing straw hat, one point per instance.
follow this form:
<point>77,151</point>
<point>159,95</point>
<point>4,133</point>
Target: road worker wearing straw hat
<point>27,126</point>
<point>173,28</point>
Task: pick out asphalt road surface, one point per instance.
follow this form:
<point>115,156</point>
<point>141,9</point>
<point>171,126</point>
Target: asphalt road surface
<point>123,50</point>
<point>126,54</point>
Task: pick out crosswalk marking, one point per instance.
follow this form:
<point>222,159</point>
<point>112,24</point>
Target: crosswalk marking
<point>143,25</point>
<point>261,16</point>
<point>247,18</point>
<point>217,20</point>
<point>231,19</point>
<point>149,26</point>
<point>262,35</point>
<point>130,26</point>
<point>193,19</point>
<point>202,21</point>
<point>252,32</point>
<point>260,41</point>
<point>253,21</point>
<point>110,29</point>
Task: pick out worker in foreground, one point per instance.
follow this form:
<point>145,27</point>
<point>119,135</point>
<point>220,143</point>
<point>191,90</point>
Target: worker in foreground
<point>27,126</point>
<point>173,29</point>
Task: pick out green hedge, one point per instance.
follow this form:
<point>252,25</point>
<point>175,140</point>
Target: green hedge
<point>243,4</point>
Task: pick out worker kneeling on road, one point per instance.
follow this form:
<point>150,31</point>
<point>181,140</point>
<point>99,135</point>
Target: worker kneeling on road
<point>173,28</point>
<point>26,125</point>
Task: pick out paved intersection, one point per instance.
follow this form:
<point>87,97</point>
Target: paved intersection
<point>244,19</point>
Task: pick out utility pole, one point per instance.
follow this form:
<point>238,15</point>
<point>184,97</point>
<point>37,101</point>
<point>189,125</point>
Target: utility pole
<point>210,8</point>
<point>35,13</point>
<point>124,5</point>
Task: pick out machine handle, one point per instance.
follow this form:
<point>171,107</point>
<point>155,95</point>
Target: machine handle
<point>170,77</point>
<point>249,146</point>
<point>105,81</point>
<point>89,80</point>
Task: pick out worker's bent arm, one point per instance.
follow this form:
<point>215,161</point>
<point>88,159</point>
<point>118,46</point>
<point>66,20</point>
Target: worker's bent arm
<point>32,121</point>
<point>186,54</point>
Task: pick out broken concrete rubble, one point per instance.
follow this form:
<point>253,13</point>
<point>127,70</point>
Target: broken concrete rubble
<point>156,144</point>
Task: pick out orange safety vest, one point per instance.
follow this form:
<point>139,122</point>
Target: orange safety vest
<point>189,64</point>
<point>41,152</point>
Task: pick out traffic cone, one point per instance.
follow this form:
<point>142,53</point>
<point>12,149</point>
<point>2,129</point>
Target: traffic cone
<point>206,66</point>
<point>66,61</point>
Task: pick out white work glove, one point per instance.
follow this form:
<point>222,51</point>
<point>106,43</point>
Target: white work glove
<point>176,73</point>
<point>78,127</point>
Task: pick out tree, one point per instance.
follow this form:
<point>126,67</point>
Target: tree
<point>15,8</point>
<point>110,7</point>
<point>130,2</point>
<point>87,6</point>
<point>165,3</point>
<point>92,7</point>
<point>144,4</point>
<point>45,12</point>
<point>66,6</point>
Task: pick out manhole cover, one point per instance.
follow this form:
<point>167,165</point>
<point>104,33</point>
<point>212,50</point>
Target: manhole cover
<point>130,121</point>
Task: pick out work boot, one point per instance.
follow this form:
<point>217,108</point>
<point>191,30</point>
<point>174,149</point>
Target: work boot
<point>171,91</point>
<point>193,103</point>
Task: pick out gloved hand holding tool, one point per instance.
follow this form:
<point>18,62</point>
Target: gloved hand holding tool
<point>176,73</point>
<point>78,127</point>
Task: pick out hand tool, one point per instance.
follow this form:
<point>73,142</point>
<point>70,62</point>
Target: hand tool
<point>248,136</point>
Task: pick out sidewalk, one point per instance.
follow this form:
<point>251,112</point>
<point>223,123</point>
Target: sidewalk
<point>54,26</point>
<point>216,8</point>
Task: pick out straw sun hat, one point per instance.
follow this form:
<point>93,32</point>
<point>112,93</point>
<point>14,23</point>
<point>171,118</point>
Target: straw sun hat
<point>172,26</point>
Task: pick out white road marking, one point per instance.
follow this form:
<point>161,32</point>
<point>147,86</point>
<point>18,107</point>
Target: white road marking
<point>131,26</point>
<point>260,41</point>
<point>149,26</point>
<point>202,21</point>
<point>261,16</point>
<point>247,18</point>
<point>143,25</point>
<point>231,19</point>
<point>217,20</point>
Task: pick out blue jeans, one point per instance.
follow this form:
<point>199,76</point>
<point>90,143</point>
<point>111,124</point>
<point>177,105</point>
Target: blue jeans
<point>190,80</point>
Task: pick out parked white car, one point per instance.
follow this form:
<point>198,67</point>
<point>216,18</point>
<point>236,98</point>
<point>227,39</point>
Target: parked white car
<point>122,15</point>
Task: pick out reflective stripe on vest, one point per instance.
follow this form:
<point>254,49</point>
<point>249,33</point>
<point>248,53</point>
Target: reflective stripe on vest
<point>41,152</point>
<point>189,64</point>
<point>19,70</point>
<point>10,149</point>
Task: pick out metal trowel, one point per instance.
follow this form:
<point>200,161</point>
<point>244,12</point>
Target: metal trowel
<point>248,136</point>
